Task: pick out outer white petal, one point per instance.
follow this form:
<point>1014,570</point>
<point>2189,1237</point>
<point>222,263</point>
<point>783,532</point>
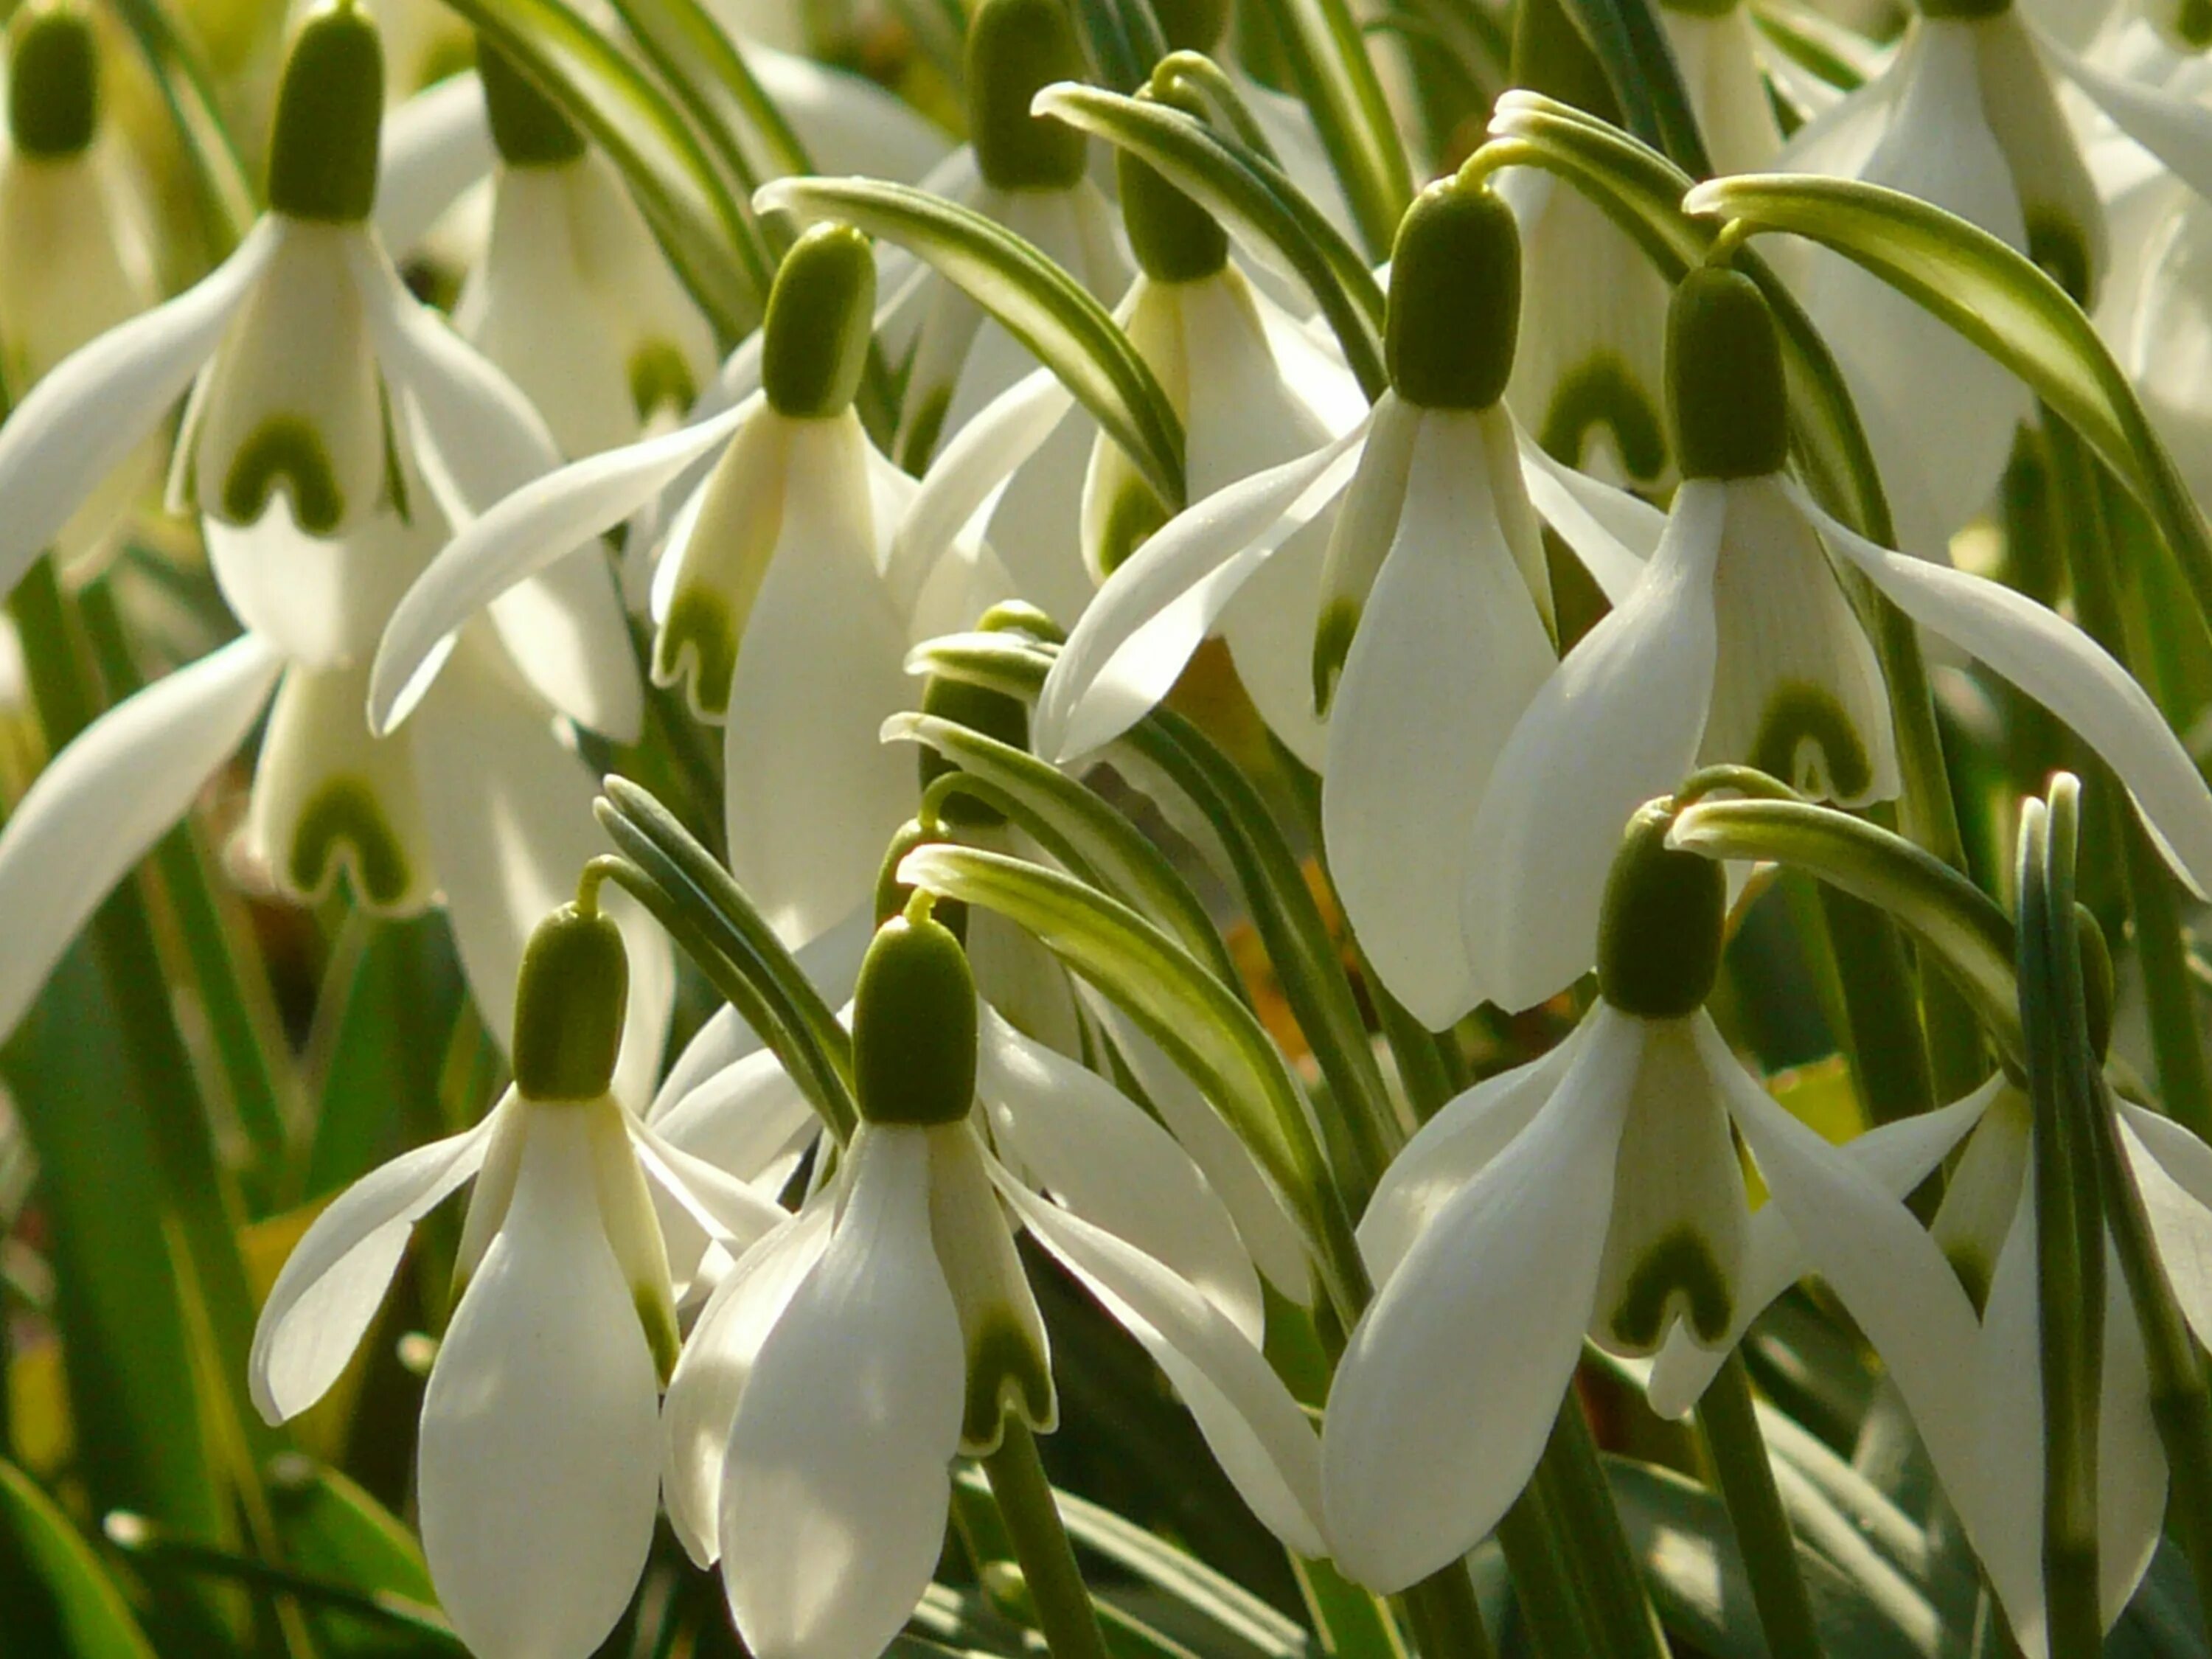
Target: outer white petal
<point>323,603</point>
<point>335,1279</point>
<point>1446,1395</point>
<point>477,440</point>
<point>538,1466</point>
<point>743,1118</point>
<point>106,799</point>
<point>1899,1155</point>
<point>1876,1257</point>
<point>2064,669</point>
<point>835,1493</point>
<point>732,1211</point>
<point>521,536</point>
<point>1074,1134</point>
<point>848,123</point>
<point>1140,632</point>
<point>1617,724</point>
<point>2176,130</point>
<point>84,418</point>
<point>2173,1169</point>
<point>1451,1149</point>
<point>1450,651</point>
<point>718,1358</point>
<point>433,148</point>
<point>1257,1433</point>
<point>508,811</point>
<point>1612,532</point>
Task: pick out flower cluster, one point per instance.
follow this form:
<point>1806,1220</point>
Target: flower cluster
<point>1434,702</point>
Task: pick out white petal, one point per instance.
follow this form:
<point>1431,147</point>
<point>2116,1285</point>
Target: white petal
<point>334,1280</point>
<point>477,440</point>
<point>84,418</point>
<point>742,1119</point>
<point>323,603</point>
<point>1074,1134</point>
<point>1899,1155</point>
<point>846,123</point>
<point>538,1466</point>
<point>1138,633</point>
<point>835,1493</point>
<point>1610,530</point>
<point>519,538</point>
<point>1448,1391</point>
<point>106,799</point>
<point>2064,669</point>
<point>2173,1169</point>
<point>1450,649</point>
<point>1255,1429</point>
<point>1617,723</point>
<point>433,148</point>
<point>731,1211</point>
<point>509,810</point>
<point>1450,1149</point>
<point>2174,130</point>
<point>718,1360</point>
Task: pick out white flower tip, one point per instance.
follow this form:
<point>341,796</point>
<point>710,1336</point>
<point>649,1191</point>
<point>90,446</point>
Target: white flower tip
<point>1703,199</point>
<point>775,196</point>
<point>902,728</point>
<point>1053,97</point>
<point>392,699</point>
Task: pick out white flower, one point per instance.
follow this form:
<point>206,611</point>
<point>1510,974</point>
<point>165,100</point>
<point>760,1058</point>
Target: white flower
<point>1723,60</point>
<point>781,607</point>
<point>76,254</point>
<point>1968,117</point>
<point>1596,1191</point>
<point>1739,645</point>
<point>538,1460</point>
<point>845,1360</point>
<point>574,301</point>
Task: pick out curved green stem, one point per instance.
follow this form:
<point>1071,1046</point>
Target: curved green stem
<point>1738,1451</point>
<point>1055,1585</point>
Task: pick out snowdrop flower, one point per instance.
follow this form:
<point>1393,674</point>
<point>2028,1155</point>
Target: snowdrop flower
<point>1597,1192</point>
<point>574,301</point>
<point>849,1356</point>
<point>1029,173</point>
<point>1738,644</point>
<point>1968,117</point>
<point>323,387</point>
<point>537,1468</point>
<point>1587,379</point>
<point>77,255</point>
<point>780,609</point>
<point>1717,48</point>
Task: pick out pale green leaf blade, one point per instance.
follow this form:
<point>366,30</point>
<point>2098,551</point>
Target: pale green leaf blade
<point>95,1621</point>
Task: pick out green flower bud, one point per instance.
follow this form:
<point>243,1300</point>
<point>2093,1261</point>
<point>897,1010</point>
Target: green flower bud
<point>994,714</point>
<point>1454,313</point>
<point>330,107</point>
<point>820,315</point>
<point>914,1025</point>
<point>526,125</point>
<point>1550,57</point>
<point>1725,391</point>
<point>1014,48</point>
<point>1660,934</point>
<point>53,83</point>
<point>568,1007</point>
<point>1175,239</point>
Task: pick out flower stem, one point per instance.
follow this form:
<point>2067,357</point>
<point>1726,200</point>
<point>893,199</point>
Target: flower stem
<point>1055,1585</point>
<point>1738,1451</point>
<point>1445,1621</point>
<point>1580,1498</point>
<point>1544,1582</point>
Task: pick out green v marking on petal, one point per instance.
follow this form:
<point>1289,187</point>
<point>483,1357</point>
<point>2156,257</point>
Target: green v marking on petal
<point>344,823</point>
<point>1601,392</point>
<point>286,448</point>
<point>1806,739</point>
<point>1678,1271</point>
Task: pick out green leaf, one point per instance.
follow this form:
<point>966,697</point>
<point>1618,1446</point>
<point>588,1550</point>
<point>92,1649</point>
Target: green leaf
<point>230,200</point>
<point>1336,79</point>
<point>1112,847</point>
<point>1639,66</point>
<point>96,1622</point>
<point>704,62</point>
<point>1040,305</point>
<point>1246,189</point>
<point>1680,1533</point>
<point>1971,937</point>
<point>1997,299</point>
<point>699,223</point>
<point>1122,39</point>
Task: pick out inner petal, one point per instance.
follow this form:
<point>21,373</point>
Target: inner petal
<point>1009,1359</point>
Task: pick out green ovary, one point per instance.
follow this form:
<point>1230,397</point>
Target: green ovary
<point>345,822</point>
<point>659,379</point>
<point>285,448</point>
<point>1681,1265</point>
<point>1806,740</point>
<point>698,636</point>
<point>1005,1373</point>
<point>1601,392</point>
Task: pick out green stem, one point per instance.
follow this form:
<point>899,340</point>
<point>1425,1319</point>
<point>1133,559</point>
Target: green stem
<point>1738,1451</point>
<point>1544,1580</point>
<point>1619,1608</point>
<point>1055,1585</point>
<point>1888,1049</point>
<point>1442,1613</point>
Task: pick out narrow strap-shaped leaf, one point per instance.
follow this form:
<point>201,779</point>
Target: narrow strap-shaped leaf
<point>1122,39</point>
<point>1136,870</point>
<point>1336,79</point>
<point>698,222</point>
<point>1246,189</point>
<point>1994,297</point>
<point>216,162</point>
<point>95,1621</point>
<point>1040,305</point>
<point>1639,66</point>
<point>691,48</point>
